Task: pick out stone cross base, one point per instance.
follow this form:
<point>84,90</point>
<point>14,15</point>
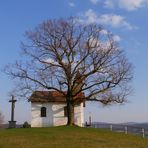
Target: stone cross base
<point>12,124</point>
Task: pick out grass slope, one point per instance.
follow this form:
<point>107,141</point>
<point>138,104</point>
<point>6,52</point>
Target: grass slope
<point>68,137</point>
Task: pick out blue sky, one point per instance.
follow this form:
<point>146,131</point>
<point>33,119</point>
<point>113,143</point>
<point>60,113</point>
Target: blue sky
<point>126,19</point>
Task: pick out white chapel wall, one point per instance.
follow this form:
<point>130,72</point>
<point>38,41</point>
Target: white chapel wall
<point>54,115</point>
<point>79,114</point>
<point>37,120</point>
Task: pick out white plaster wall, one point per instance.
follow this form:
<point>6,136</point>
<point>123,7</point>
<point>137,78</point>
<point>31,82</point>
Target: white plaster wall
<point>58,114</point>
<point>54,115</point>
<point>79,115</point>
<point>37,120</point>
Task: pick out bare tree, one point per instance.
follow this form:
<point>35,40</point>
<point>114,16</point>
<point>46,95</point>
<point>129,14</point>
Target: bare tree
<point>67,56</point>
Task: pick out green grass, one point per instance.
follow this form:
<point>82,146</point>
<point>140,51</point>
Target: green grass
<point>68,137</point>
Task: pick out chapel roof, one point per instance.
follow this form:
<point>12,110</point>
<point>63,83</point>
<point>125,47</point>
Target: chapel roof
<point>53,96</point>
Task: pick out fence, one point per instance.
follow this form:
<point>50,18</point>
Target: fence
<point>127,129</point>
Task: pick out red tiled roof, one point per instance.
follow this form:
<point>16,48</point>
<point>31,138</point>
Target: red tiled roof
<point>53,96</point>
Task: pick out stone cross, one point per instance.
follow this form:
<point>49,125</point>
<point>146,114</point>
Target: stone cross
<point>12,123</point>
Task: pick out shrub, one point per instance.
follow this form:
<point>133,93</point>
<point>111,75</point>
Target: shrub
<point>26,125</point>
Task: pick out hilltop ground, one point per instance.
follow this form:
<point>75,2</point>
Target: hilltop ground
<point>68,137</point>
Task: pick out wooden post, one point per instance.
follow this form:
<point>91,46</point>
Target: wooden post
<point>111,127</point>
<point>125,129</point>
<point>143,135</point>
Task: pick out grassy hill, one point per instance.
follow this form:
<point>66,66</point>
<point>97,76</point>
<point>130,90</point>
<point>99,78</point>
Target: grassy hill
<point>68,137</point>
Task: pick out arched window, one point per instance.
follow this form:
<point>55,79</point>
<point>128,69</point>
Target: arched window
<point>43,111</point>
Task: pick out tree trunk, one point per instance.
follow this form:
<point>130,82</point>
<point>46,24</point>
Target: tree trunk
<point>70,113</point>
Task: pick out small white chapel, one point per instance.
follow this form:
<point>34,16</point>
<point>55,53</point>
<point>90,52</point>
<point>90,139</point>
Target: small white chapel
<point>48,108</point>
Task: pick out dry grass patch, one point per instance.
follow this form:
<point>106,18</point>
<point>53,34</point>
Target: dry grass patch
<point>68,137</point>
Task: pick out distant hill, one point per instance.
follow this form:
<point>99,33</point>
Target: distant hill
<point>3,126</point>
<point>130,124</point>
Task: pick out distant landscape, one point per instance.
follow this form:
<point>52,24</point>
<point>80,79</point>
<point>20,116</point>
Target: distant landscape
<point>131,127</point>
<point>105,124</point>
<point>132,124</point>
